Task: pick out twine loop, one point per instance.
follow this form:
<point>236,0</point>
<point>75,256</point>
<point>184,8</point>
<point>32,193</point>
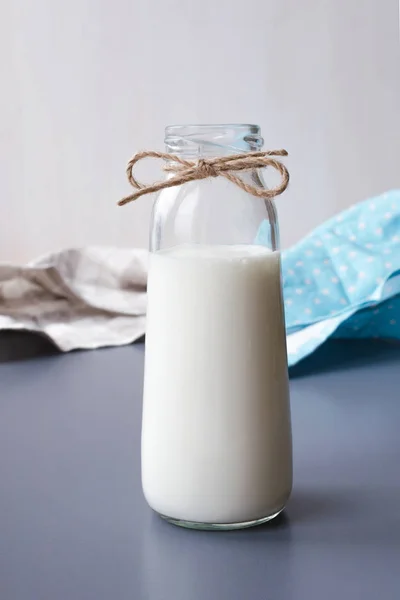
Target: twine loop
<point>221,166</point>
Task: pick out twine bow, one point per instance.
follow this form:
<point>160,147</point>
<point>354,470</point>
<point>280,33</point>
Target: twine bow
<point>221,166</point>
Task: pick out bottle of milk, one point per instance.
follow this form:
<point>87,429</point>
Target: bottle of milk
<point>216,434</point>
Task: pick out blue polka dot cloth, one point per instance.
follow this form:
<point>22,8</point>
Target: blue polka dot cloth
<point>343,280</point>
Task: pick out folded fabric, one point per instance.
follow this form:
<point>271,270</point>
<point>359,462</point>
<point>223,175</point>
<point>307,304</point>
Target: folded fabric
<point>83,298</point>
<point>343,280</point>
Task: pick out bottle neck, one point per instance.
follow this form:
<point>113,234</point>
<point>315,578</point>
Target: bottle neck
<point>202,141</point>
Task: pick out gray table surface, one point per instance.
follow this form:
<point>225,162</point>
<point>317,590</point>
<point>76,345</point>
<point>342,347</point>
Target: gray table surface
<point>74,524</point>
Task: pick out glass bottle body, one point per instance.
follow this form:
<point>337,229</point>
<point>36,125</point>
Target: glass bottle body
<point>216,434</point>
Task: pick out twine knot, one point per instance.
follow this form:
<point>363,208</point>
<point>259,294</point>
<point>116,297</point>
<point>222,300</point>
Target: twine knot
<point>205,169</point>
<point>221,166</point>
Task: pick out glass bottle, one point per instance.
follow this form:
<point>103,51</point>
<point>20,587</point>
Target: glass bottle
<point>216,432</point>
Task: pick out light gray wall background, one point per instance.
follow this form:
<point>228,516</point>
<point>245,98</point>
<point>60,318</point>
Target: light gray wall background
<point>85,83</point>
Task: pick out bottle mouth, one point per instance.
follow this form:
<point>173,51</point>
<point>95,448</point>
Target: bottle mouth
<point>212,140</point>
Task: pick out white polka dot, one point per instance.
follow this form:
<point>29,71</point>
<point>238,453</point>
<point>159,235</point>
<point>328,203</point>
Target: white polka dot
<point>372,206</point>
<point>325,291</point>
<point>361,225</point>
<point>307,311</point>
<point>299,291</point>
<point>351,289</point>
<point>395,238</point>
<point>335,280</point>
<point>388,215</point>
<point>370,259</point>
<point>317,301</point>
<point>317,271</point>
<point>378,231</point>
<point>343,268</point>
<point>333,312</point>
<point>309,252</point>
<point>327,261</point>
<point>289,302</point>
<point>299,263</point>
<point>379,280</point>
<point>318,243</point>
<point>335,250</point>
<point>339,218</point>
<point>328,236</point>
<point>388,265</point>
<point>387,251</point>
<point>308,281</point>
<point>290,272</point>
<point>352,254</point>
<point>343,301</point>
<point>369,246</point>
<point>393,206</point>
<point>389,288</point>
<point>352,238</point>
<point>392,321</point>
<point>361,275</point>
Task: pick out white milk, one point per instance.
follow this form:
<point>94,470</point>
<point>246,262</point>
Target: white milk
<point>216,439</point>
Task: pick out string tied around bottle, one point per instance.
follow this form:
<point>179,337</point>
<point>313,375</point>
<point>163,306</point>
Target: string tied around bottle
<point>221,166</point>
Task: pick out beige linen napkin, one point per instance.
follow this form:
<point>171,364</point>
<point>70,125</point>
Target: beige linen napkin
<point>79,298</point>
